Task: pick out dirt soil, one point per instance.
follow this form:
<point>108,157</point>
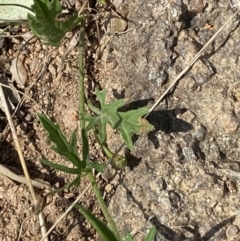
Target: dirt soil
<point>184,176</point>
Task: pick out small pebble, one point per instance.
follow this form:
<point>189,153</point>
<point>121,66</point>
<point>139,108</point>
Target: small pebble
<point>108,188</point>
<point>232,230</point>
<point>28,118</point>
<point>231,126</point>
<point>196,6</point>
<point>24,128</point>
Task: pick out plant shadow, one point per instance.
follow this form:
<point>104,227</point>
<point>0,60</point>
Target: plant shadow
<point>166,233</point>
<point>169,234</point>
<point>166,121</point>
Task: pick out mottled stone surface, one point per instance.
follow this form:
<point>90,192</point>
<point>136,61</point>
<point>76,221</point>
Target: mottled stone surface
<point>181,177</point>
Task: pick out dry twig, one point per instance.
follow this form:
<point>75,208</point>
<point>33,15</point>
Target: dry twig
<point>18,178</point>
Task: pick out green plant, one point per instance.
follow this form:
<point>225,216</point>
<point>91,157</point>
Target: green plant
<point>68,150</point>
<point>126,123</point>
<point>46,26</point>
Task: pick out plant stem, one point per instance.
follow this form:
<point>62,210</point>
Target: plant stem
<point>103,206</point>
<point>81,73</point>
<point>82,126</point>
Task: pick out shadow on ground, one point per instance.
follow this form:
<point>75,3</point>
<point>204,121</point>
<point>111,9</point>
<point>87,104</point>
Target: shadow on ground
<point>169,234</point>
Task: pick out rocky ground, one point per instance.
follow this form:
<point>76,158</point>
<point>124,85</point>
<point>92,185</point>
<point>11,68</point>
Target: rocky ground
<point>184,176</point>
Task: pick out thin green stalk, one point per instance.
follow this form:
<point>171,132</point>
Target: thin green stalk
<point>103,206</point>
<point>108,153</point>
<point>81,73</point>
<point>96,190</point>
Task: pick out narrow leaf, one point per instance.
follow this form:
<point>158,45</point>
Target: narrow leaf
<point>105,233</point>
<point>60,167</point>
<point>151,234</point>
<point>62,147</point>
<point>73,142</point>
<point>85,146</point>
<point>92,120</point>
<point>102,130</point>
<point>93,108</point>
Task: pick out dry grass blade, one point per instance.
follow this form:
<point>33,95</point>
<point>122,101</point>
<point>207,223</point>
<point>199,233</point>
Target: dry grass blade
<point>191,63</point>
<point>6,172</point>
<point>21,157</point>
<point>82,8</point>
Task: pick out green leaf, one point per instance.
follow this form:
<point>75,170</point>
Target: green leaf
<point>45,24</point>
<point>108,114</point>
<point>151,234</point>
<point>85,146</point>
<point>133,123</point>
<point>73,142</point>
<point>92,121</point>
<point>62,147</point>
<point>108,108</point>
<point>126,123</point>
<point>60,167</point>
<point>97,166</point>
<point>105,233</point>
<point>127,237</point>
